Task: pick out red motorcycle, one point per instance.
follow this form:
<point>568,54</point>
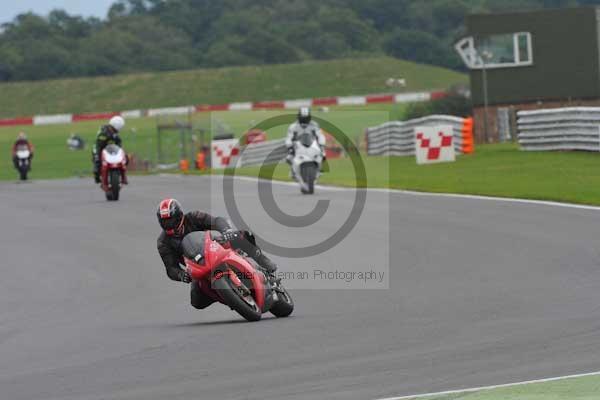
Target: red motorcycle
<point>113,171</point>
<point>232,278</point>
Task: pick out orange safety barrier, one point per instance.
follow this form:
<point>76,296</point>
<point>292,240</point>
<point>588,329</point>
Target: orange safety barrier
<point>201,161</point>
<point>332,148</point>
<point>468,144</point>
<point>184,165</point>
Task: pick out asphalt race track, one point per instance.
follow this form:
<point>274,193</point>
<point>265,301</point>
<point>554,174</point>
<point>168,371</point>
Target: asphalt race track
<point>481,293</point>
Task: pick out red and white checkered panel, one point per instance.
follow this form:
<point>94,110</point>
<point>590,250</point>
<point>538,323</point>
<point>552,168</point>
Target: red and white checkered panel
<point>434,144</point>
<point>225,153</point>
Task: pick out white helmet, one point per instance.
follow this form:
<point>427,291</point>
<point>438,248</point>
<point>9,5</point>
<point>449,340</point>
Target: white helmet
<point>304,116</point>
<point>117,122</point>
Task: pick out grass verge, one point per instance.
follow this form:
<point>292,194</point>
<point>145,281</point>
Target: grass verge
<point>217,86</point>
<point>499,170</point>
<point>584,388</point>
<point>494,170</point>
<point>54,160</point>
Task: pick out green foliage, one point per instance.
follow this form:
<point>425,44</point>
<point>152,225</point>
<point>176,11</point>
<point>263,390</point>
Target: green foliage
<point>454,104</point>
<point>420,46</point>
<point>158,35</point>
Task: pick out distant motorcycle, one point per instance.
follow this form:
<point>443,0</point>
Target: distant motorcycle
<point>113,171</point>
<point>232,278</point>
<point>306,163</point>
<point>23,155</point>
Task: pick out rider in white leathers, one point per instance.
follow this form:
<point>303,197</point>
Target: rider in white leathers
<point>304,124</point>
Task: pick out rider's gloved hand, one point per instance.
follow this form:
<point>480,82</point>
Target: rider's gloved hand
<point>185,277</point>
<point>290,155</point>
<point>231,235</point>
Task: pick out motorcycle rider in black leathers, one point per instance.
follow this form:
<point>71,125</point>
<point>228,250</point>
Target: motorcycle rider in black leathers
<point>176,225</point>
<point>21,141</point>
<point>108,134</point>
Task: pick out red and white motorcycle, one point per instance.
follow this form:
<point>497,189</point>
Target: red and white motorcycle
<point>232,278</point>
<point>23,163</point>
<point>113,171</point>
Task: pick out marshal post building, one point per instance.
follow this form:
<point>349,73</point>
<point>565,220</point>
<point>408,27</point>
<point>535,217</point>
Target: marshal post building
<point>530,60</point>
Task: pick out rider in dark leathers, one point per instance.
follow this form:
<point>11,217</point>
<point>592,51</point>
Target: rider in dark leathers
<point>21,141</point>
<point>176,225</point>
<point>108,134</point>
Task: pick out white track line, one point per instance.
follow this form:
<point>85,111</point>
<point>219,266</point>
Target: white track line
<point>460,196</point>
<point>429,194</point>
<point>470,390</point>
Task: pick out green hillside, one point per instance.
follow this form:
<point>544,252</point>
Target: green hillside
<point>215,86</point>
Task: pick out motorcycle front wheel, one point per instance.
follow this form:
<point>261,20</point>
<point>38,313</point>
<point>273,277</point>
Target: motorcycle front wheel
<point>234,297</point>
<point>309,175</point>
<point>114,185</point>
<point>23,173</point>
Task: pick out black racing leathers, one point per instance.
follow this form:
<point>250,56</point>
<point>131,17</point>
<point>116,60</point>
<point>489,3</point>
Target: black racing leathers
<point>16,145</point>
<point>169,247</point>
<point>104,137</point>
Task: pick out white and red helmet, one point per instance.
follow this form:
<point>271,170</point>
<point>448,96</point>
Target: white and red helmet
<point>170,217</point>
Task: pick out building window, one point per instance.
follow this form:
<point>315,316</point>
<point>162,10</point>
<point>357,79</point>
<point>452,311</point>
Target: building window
<point>497,51</point>
<point>523,44</point>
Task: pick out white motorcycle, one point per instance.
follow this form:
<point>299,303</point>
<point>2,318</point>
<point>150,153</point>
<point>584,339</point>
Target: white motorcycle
<point>23,161</point>
<point>306,162</point>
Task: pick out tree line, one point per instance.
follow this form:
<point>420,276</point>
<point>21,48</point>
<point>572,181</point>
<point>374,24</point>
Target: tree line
<point>163,35</point>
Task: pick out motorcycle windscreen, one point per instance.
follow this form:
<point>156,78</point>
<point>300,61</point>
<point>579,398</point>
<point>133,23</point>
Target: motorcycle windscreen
<point>306,139</point>
<point>193,246</point>
<point>112,149</point>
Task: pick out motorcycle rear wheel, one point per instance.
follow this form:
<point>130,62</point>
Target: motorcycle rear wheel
<point>234,299</point>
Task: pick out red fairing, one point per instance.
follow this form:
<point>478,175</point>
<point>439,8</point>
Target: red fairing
<point>105,167</point>
<point>216,255</point>
<point>197,271</point>
<point>22,142</point>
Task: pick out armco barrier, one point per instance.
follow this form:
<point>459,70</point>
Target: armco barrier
<point>171,111</point>
<point>16,121</point>
<point>270,152</point>
<point>397,138</point>
<point>259,105</point>
<point>132,114</point>
<point>575,128</point>
<point>52,119</point>
<point>93,117</point>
